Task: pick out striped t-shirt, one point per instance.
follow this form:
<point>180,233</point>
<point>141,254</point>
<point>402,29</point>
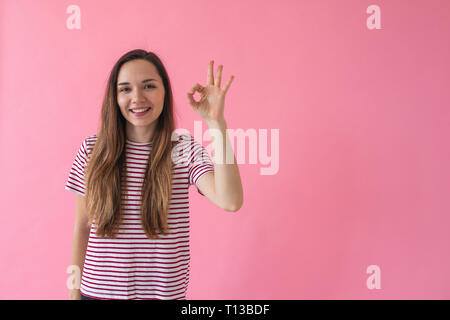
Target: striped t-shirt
<point>132,266</point>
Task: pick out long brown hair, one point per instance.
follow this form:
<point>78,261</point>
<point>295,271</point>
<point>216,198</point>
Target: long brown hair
<point>103,174</point>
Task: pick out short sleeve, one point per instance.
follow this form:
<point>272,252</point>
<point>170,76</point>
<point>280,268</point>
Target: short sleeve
<point>199,162</point>
<point>75,182</point>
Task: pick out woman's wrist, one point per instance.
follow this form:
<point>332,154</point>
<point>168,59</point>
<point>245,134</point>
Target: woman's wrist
<point>216,123</point>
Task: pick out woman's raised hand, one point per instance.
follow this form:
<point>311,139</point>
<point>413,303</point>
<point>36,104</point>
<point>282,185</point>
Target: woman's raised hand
<point>212,98</point>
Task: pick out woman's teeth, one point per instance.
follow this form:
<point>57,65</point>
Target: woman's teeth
<point>139,110</point>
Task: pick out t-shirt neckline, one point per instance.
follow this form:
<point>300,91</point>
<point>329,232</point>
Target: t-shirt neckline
<point>139,143</point>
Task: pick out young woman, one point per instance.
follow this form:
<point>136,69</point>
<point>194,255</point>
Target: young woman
<point>131,236</point>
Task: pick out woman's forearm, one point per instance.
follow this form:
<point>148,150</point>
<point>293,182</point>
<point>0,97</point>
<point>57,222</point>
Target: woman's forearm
<point>227,180</point>
<point>79,246</point>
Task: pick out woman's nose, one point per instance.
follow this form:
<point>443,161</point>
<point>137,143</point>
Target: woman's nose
<point>138,95</point>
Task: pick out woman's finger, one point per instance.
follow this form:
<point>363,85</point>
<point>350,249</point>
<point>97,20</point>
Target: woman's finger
<point>227,85</point>
<point>218,76</point>
<point>190,94</point>
<point>191,100</point>
<point>196,87</point>
<point>210,79</point>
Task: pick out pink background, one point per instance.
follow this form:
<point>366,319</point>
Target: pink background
<point>364,122</point>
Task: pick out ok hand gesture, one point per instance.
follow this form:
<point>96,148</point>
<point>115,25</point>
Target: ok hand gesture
<point>212,97</point>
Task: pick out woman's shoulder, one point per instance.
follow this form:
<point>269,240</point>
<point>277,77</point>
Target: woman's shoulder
<point>88,143</point>
<point>183,137</point>
<point>185,141</point>
<point>90,140</point>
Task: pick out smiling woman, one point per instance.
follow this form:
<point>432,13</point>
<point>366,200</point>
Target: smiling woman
<point>131,239</point>
<point>140,98</point>
<point>137,246</point>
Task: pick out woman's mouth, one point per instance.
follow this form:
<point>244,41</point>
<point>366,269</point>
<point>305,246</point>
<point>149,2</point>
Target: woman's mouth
<point>140,112</point>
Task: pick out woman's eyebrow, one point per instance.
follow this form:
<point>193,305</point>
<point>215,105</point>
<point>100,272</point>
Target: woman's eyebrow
<point>143,81</point>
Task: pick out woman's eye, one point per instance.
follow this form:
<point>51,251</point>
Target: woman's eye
<point>148,85</point>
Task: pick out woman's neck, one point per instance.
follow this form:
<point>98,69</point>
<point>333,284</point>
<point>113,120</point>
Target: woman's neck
<point>140,134</point>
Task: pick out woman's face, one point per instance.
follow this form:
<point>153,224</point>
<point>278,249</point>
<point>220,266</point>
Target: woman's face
<point>139,86</point>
